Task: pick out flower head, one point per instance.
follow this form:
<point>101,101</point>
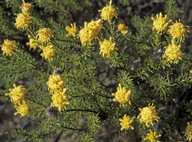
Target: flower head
<point>48,51</point>
<point>9,47</point>
<point>152,136</point>
<point>122,95</point>
<point>160,23</point>
<point>90,31</point>
<point>33,43</point>
<point>107,47</point>
<point>126,123</point>
<point>188,132</point>
<point>17,94</point>
<point>173,53</point>
<point>108,12</point>
<point>22,108</point>
<point>44,34</point>
<point>123,28</point>
<point>59,99</point>
<point>23,21</point>
<point>55,82</point>
<point>178,31</point>
<point>148,115</point>
<point>72,30</point>
<point>26,7</point>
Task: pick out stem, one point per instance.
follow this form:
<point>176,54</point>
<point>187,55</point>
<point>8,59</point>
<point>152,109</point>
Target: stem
<point>88,110</point>
<point>35,102</point>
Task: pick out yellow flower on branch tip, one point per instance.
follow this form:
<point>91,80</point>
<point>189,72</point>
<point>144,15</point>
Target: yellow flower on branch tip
<point>26,7</point>
<point>148,115</point>
<point>173,53</point>
<point>152,136</point>
<point>48,52</point>
<point>9,47</point>
<point>190,71</point>
<point>178,31</point>
<point>59,99</point>
<point>160,23</point>
<point>123,28</point>
<point>122,96</point>
<point>188,132</point>
<point>72,30</point>
<point>22,108</point>
<point>90,31</point>
<point>108,12</point>
<point>55,82</point>
<point>44,35</point>
<point>33,43</point>
<point>23,21</point>
<point>16,94</point>
<point>107,47</point>
<point>126,123</point>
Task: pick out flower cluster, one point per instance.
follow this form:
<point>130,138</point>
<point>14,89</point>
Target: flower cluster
<point>152,136</point>
<point>107,47</point>
<point>72,30</point>
<point>9,47</point>
<point>33,43</point>
<point>90,31</point>
<point>160,23</point>
<point>122,96</point>
<point>123,28</point>
<point>148,115</point>
<point>48,51</point>
<point>59,99</point>
<point>44,35</point>
<point>188,132</point>
<point>108,12</point>
<point>22,108</point>
<point>26,8</point>
<point>17,95</point>
<point>178,31</point>
<point>55,86</point>
<point>23,20</point>
<point>126,123</point>
<point>173,53</point>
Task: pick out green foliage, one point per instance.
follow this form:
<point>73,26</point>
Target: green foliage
<point>171,9</point>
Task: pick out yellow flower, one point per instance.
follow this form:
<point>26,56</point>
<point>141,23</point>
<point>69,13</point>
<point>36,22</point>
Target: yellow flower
<point>148,115</point>
<point>152,136</point>
<point>44,34</point>
<point>190,71</point>
<point>9,47</point>
<point>17,94</point>
<point>177,31</point>
<point>188,132</point>
<point>126,123</point>
<point>72,30</point>
<point>22,109</point>
<point>26,7</point>
<point>32,43</point>
<point>108,12</point>
<point>122,96</point>
<point>123,28</point>
<point>23,21</point>
<point>59,99</point>
<point>107,47</point>
<point>55,83</point>
<point>173,53</point>
<point>48,51</point>
<point>160,24</point>
<point>90,31</point>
